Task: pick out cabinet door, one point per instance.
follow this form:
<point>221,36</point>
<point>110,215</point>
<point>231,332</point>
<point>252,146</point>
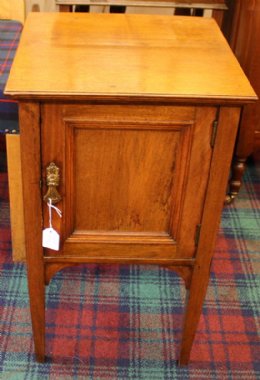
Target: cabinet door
<point>133,179</point>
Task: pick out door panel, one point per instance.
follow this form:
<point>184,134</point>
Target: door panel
<point>125,186</point>
<point>123,178</point>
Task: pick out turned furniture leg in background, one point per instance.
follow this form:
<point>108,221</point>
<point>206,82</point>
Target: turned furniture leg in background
<point>237,171</point>
<point>244,29</point>
<point>243,149</point>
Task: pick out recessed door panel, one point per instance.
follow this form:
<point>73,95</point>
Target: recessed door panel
<point>123,179</point>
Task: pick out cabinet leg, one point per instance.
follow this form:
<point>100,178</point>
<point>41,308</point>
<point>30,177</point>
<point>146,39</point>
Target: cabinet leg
<point>29,120</point>
<point>194,303</point>
<point>209,226</point>
<point>237,171</point>
<point>37,305</point>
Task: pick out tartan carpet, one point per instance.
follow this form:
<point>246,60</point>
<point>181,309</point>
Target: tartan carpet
<point>124,322</point>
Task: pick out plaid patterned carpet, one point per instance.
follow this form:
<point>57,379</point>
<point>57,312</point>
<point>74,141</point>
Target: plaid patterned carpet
<point>124,322</point>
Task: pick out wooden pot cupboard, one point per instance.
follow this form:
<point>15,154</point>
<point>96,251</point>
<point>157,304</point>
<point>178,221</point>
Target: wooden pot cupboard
<point>128,124</point>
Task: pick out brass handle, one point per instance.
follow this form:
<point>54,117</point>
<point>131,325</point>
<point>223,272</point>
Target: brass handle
<point>53,181</point>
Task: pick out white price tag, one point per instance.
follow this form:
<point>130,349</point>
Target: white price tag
<point>50,239</point>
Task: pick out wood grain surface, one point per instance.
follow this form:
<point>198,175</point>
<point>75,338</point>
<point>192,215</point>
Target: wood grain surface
<point>125,55</point>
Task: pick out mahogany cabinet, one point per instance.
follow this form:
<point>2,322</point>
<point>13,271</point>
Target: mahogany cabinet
<point>128,124</point>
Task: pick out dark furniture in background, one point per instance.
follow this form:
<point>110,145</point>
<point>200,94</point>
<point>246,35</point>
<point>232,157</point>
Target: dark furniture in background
<point>242,27</point>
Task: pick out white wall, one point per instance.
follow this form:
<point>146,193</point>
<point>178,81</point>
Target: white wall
<point>40,5</point>
<point>49,6</point>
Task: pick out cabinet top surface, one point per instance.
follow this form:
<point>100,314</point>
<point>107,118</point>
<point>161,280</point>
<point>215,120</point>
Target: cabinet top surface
<point>66,55</point>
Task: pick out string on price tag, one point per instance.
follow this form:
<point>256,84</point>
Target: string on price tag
<point>50,237</point>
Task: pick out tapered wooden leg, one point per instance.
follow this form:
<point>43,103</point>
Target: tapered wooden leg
<point>195,299</point>
<point>37,305</point>
<point>29,117</point>
<point>227,128</point>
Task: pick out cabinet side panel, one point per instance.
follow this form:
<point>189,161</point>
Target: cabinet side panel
<point>197,180</point>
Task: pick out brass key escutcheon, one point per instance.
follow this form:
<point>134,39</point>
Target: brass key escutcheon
<point>52,181</point>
